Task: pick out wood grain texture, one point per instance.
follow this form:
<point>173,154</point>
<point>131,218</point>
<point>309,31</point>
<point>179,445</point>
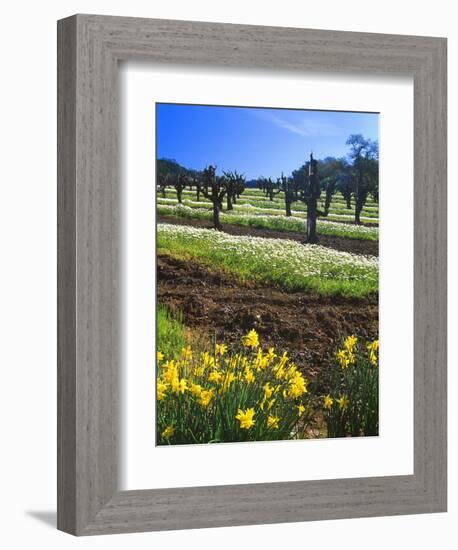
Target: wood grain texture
<point>66,275</point>
<point>90,48</point>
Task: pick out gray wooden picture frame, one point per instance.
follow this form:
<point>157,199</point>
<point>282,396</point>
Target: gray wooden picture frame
<point>89,49</point>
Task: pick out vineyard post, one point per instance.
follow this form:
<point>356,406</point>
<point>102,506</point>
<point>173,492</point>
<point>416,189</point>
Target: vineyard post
<point>312,196</point>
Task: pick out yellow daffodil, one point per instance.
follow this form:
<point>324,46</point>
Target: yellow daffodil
<point>246,418</point>
<point>280,373</point>
<point>327,401</point>
<point>283,360</point>
<point>291,372</point>
<point>196,383</point>
<point>179,385</point>
<point>168,432</point>
<point>230,377</point>
<point>195,389</point>
<point>271,355</point>
<point>270,404</point>
<point>297,386</point>
<point>268,390</point>
<point>220,349</point>
<point>350,343</point>
<point>261,361</point>
<point>342,356</point>
<point>161,389</point>
<point>186,353</point>
<point>171,371</point>
<point>205,397</point>
<point>208,360</point>
<point>215,376</point>
<point>343,402</point>
<point>272,422</point>
<point>251,340</point>
<point>249,376</point>
<point>373,348</point>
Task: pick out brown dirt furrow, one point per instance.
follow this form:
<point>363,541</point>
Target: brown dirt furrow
<point>309,327</point>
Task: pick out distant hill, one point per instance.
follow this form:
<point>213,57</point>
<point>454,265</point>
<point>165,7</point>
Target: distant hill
<point>171,166</point>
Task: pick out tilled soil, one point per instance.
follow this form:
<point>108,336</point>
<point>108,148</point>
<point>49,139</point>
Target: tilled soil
<point>344,244</point>
<point>308,327</point>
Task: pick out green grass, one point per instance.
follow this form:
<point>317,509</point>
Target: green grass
<point>279,223</point>
<point>170,332</point>
<point>273,209</point>
<point>337,197</point>
<point>355,376</point>
<point>338,207</point>
<point>259,195</point>
<point>282,262</point>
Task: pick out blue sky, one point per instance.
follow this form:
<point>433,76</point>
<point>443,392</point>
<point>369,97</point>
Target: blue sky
<point>255,141</point>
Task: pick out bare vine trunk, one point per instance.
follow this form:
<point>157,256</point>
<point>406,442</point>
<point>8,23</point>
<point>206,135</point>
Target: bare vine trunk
<point>216,221</point>
<point>327,203</point>
<point>311,236</point>
<point>288,206</point>
<point>358,210</point>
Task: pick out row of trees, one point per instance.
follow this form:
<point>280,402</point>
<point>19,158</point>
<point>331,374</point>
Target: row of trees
<point>214,188</point>
<point>355,178</point>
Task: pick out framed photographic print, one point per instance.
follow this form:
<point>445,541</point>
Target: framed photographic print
<point>252,275</point>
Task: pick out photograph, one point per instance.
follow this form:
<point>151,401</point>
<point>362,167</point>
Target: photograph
<point>267,274</point>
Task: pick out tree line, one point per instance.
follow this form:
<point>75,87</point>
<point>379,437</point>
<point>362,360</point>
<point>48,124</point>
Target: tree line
<point>355,177</point>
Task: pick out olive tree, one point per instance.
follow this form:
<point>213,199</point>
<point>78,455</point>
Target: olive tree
<point>364,154</point>
<point>331,170</point>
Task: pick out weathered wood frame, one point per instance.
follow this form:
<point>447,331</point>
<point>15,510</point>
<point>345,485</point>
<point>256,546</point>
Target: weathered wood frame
<point>89,48</point>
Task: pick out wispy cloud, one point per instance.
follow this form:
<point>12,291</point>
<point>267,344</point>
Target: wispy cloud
<point>302,125</point>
